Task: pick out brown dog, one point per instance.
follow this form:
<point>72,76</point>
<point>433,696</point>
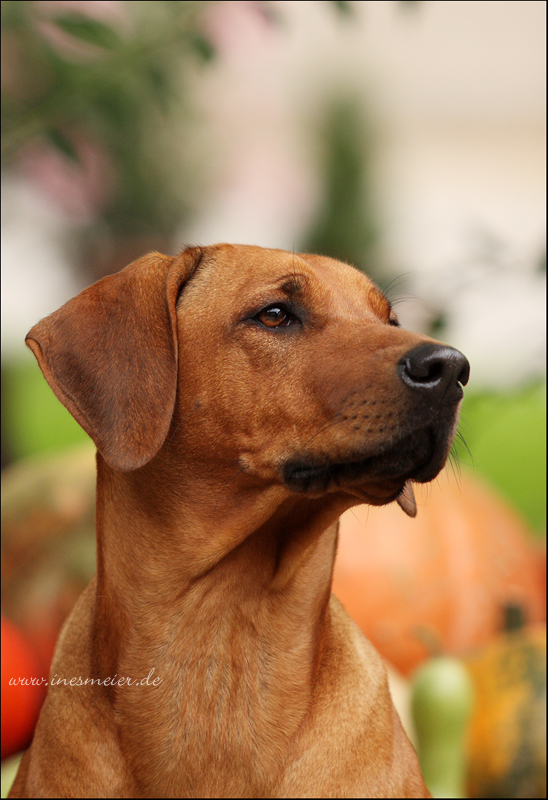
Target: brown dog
<point>240,399</point>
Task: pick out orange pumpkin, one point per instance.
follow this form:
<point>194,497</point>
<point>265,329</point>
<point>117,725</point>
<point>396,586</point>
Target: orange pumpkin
<point>438,582</point>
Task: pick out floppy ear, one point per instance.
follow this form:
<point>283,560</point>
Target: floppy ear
<point>110,356</point>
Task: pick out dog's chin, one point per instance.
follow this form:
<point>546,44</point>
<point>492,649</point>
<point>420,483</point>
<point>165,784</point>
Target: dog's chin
<point>377,478</point>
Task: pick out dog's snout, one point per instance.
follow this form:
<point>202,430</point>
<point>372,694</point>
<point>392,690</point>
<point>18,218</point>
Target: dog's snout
<point>434,367</point>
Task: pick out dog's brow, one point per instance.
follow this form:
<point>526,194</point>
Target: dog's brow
<point>293,284</point>
<point>379,300</point>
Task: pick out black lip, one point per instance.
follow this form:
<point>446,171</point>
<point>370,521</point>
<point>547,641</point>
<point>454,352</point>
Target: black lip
<point>418,456</point>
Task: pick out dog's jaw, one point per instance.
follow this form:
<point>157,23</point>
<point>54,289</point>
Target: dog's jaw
<point>418,456</point>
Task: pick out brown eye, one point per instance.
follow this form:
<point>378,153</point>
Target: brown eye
<point>275,316</point>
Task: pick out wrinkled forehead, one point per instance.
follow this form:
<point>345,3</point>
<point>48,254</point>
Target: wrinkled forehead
<point>243,270</point>
<point>348,282</point>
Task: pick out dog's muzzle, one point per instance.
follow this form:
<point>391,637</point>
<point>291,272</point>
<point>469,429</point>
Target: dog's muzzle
<point>434,375</point>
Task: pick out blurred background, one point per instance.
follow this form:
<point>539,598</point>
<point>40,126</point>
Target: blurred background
<point>407,138</point>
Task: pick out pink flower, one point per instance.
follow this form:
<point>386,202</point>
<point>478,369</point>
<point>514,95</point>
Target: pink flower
<point>80,187</point>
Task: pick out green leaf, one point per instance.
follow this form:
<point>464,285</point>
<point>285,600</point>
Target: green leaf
<point>202,47</point>
<point>62,143</point>
<point>160,85</point>
<point>88,30</point>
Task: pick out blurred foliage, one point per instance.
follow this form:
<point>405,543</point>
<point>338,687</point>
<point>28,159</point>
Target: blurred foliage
<point>34,420</point>
<point>345,225</point>
<point>505,437</point>
<point>116,81</point>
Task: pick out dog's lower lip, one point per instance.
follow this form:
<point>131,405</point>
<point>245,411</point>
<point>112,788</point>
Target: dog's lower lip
<point>306,477</point>
<point>306,472</point>
<point>421,463</point>
<point>302,477</point>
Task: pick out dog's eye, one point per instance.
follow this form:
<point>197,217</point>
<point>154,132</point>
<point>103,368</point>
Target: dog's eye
<point>276,316</point>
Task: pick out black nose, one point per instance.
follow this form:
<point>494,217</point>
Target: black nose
<point>435,368</point>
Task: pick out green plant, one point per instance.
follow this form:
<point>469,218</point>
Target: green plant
<point>80,78</point>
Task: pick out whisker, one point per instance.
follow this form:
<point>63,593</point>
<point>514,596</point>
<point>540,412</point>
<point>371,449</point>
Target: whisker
<point>460,438</point>
<point>395,283</point>
<point>454,462</point>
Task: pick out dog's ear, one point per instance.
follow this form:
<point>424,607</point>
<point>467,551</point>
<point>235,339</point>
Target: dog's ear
<point>110,356</point>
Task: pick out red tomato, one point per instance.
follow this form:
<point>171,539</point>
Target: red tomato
<point>20,703</point>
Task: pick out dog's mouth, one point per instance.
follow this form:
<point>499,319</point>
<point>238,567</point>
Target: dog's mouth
<point>419,456</point>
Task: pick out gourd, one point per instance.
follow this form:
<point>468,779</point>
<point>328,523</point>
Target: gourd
<point>437,583</point>
<point>507,737</point>
<point>442,699</point>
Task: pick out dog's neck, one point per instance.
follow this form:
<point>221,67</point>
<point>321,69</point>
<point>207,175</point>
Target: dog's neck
<point>226,602</point>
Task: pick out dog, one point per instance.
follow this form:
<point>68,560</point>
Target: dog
<point>240,400</point>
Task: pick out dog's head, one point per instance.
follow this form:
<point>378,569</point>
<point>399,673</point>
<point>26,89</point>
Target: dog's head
<point>283,368</point>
